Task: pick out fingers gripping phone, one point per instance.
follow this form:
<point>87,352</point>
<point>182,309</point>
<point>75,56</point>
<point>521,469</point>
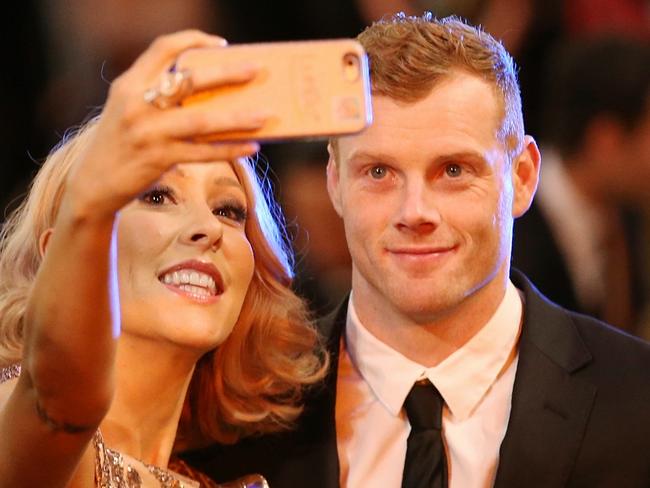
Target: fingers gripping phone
<point>312,89</point>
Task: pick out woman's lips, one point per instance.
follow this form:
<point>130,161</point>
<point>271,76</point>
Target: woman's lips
<point>195,293</point>
<point>194,279</point>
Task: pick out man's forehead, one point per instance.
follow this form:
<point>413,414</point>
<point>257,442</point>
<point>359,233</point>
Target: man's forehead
<point>435,117</point>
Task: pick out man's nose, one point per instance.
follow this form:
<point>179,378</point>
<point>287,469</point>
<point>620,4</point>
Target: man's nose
<point>418,210</point>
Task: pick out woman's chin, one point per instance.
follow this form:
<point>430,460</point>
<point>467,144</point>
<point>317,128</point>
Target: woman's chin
<point>199,326</point>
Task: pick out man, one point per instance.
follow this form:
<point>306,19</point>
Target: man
<point>533,395</point>
<point>580,242</point>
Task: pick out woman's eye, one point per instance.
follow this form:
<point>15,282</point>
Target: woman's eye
<point>157,196</point>
<point>378,172</point>
<point>453,170</point>
<point>233,212</point>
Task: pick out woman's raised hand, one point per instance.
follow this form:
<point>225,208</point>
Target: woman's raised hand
<point>136,141</point>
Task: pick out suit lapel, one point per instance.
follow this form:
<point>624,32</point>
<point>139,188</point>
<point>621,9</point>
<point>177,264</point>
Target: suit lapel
<point>315,461</point>
<point>550,406</point>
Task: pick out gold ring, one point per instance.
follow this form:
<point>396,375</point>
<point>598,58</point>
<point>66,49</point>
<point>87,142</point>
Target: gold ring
<point>173,87</point>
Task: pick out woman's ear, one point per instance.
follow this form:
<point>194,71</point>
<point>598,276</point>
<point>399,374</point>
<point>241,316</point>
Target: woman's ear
<point>43,241</point>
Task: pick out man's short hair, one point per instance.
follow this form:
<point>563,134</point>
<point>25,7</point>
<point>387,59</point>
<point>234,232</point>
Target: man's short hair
<point>409,55</point>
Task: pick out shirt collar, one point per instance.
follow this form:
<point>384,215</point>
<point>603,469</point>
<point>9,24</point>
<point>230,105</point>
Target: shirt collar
<point>462,379</point>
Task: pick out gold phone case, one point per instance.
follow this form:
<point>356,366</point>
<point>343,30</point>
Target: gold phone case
<point>313,89</point>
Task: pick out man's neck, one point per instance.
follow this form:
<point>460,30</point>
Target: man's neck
<point>429,342</point>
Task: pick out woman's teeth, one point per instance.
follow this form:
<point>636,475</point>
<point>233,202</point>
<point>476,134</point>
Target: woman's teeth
<point>191,281</point>
<point>196,290</point>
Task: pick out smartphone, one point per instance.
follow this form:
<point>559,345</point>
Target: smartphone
<point>313,89</point>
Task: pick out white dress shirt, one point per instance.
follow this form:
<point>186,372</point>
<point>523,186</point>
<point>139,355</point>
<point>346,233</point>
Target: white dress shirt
<point>475,381</point>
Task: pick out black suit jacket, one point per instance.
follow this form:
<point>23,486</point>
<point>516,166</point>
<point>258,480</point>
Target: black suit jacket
<point>536,252</point>
<point>580,412</point>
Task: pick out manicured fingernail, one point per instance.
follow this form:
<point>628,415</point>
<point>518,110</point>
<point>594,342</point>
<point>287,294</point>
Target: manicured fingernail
<point>261,117</point>
<point>220,41</point>
<point>251,147</point>
<point>246,69</point>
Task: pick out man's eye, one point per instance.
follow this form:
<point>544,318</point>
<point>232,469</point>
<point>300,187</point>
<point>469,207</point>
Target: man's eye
<point>378,172</point>
<point>453,170</point>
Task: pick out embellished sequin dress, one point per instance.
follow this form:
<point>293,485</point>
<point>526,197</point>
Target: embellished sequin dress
<point>116,470</point>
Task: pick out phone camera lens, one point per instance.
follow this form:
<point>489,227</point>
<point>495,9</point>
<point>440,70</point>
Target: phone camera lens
<point>351,67</point>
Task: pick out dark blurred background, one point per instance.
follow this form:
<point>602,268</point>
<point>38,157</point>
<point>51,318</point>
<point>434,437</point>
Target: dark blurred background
<point>586,241</point>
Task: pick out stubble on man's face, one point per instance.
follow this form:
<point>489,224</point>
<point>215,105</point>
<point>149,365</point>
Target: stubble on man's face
<point>426,198</point>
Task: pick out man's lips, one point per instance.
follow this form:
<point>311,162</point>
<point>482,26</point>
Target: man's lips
<point>421,250</point>
<point>420,258</point>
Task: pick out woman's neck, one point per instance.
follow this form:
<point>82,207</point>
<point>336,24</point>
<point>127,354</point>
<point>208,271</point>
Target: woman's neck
<point>151,382</point>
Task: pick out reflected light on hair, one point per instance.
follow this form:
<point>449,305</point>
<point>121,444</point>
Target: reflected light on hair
<point>113,287</point>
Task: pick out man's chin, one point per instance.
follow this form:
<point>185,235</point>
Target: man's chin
<point>426,308</point>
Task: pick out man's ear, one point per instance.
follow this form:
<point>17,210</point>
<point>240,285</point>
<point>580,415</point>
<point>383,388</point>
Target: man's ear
<point>525,177</point>
<point>333,181</point>
<point>44,240</point>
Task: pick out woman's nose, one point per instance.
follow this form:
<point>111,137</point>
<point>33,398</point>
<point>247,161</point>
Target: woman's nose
<point>203,229</point>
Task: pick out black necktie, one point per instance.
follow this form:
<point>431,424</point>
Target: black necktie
<point>426,462</point>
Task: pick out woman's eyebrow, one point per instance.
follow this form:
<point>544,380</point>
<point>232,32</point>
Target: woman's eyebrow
<point>227,181</point>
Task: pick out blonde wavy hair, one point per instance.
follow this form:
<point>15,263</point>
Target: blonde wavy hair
<point>409,55</point>
<point>255,380</point>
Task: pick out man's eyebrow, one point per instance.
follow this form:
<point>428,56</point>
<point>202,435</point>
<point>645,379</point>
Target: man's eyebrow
<point>460,155</point>
<point>361,156</point>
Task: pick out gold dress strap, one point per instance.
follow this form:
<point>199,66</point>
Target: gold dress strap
<point>248,481</point>
<point>116,470</point>
<point>9,373</point>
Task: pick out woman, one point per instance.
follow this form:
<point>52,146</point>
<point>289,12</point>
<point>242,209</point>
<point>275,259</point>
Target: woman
<point>136,291</point>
